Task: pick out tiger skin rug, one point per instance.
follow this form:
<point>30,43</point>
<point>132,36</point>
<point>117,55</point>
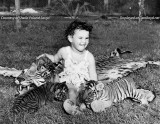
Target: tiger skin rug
<point>107,70</point>
<point>115,68</point>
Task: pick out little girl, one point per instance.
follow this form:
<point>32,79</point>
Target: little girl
<point>79,63</point>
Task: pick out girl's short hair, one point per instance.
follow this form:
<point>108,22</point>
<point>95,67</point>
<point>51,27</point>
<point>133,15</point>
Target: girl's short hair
<point>77,24</point>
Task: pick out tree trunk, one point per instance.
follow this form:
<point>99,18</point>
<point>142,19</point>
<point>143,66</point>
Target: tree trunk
<point>18,21</point>
<point>141,9</point>
<point>106,5</point>
<point>49,3</point>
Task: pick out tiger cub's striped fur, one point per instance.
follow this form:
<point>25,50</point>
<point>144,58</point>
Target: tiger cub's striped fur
<point>38,74</point>
<point>37,97</point>
<point>99,96</point>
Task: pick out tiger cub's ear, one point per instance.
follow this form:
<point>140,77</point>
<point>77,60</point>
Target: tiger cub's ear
<point>32,70</point>
<point>100,86</point>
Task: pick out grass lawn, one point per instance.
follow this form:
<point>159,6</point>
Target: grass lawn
<point>19,50</point>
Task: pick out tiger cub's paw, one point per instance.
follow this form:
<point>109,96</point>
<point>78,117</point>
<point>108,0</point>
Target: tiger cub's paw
<point>100,105</point>
<point>71,108</point>
<point>82,107</point>
<point>146,96</point>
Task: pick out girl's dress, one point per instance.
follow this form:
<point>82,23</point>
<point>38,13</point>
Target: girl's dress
<point>74,73</point>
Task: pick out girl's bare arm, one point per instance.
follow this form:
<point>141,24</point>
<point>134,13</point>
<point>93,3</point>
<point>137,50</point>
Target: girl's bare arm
<point>54,58</point>
<point>92,67</point>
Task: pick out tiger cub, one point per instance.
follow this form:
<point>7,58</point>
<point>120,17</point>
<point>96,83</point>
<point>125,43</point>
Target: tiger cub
<point>32,100</point>
<point>38,74</point>
<point>98,96</point>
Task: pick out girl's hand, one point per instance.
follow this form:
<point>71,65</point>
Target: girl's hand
<point>51,57</point>
<point>42,55</point>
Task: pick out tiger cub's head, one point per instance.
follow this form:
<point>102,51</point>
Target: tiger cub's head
<point>48,68</point>
<point>60,91</point>
<point>49,65</point>
<point>89,93</point>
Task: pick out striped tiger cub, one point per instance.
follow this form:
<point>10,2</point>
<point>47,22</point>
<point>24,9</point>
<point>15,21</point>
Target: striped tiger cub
<point>44,63</point>
<point>38,74</point>
<point>98,96</point>
<point>32,100</point>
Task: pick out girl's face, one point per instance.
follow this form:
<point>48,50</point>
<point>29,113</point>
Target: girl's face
<point>80,39</point>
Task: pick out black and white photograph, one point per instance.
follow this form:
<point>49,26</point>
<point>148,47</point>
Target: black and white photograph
<point>80,62</point>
